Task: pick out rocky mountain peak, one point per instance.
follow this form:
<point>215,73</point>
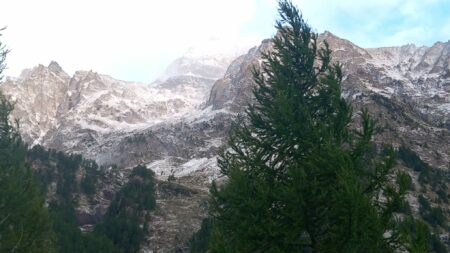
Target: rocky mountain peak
<point>342,48</point>
<point>85,75</point>
<point>329,35</point>
<point>37,93</point>
<point>209,59</point>
<point>435,59</point>
<point>212,67</point>
<point>56,68</point>
<point>25,73</point>
<point>42,71</point>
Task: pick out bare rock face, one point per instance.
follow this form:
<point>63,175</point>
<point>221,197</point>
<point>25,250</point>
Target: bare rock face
<point>37,94</point>
<point>234,90</point>
<point>97,105</point>
<point>55,68</point>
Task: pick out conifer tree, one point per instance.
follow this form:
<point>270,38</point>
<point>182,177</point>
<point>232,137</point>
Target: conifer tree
<point>300,178</point>
<point>24,222</point>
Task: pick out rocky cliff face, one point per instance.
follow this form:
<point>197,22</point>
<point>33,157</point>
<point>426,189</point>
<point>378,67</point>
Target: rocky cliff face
<point>177,125</point>
<point>37,94</point>
<point>406,88</point>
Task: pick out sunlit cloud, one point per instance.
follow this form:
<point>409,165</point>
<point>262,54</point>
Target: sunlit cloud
<point>117,37</point>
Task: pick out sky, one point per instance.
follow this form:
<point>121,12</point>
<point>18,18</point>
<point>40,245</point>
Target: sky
<point>135,40</point>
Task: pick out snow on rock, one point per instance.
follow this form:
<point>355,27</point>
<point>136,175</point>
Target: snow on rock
<point>37,94</point>
<point>109,120</point>
<point>175,166</point>
<point>209,59</point>
<point>187,113</point>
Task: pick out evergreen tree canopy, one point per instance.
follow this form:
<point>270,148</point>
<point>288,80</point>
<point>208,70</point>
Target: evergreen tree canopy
<point>126,221</point>
<point>24,222</point>
<point>300,178</point>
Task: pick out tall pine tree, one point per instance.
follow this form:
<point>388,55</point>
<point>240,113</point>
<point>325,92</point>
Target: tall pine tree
<point>300,179</point>
<point>24,222</point>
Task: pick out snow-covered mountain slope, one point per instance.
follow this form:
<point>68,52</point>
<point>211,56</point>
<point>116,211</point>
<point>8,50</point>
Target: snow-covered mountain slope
<point>110,120</point>
<point>209,60</point>
<point>49,103</point>
<point>101,117</point>
<point>194,73</point>
<point>96,105</point>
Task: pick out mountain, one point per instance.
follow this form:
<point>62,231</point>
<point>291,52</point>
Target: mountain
<point>194,74</point>
<point>162,125</point>
<point>177,125</point>
<point>208,60</point>
<point>406,88</point>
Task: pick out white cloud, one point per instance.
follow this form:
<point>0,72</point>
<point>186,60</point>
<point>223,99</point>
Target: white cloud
<point>108,35</point>
<point>136,39</point>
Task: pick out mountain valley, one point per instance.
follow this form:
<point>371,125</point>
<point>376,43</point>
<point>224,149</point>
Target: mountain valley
<point>177,125</point>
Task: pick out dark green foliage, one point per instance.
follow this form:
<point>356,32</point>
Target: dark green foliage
<point>67,166</point>
<point>87,184</point>
<point>443,195</point>
<point>413,161</point>
<point>124,232</point>
<point>433,216</point>
<point>38,152</point>
<point>70,238</point>
<point>418,233</point>
<point>139,191</point>
<point>436,245</point>
<point>25,225</point>
<point>126,219</point>
<point>405,208</point>
<point>119,230</point>
<point>300,179</point>
<point>62,168</point>
<point>437,178</point>
<point>422,241</point>
<point>434,177</point>
<point>200,240</point>
<point>424,203</point>
<point>89,179</point>
<point>409,182</point>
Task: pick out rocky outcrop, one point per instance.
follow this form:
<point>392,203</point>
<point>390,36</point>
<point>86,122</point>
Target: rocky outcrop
<point>37,94</point>
<point>234,90</point>
<point>406,88</point>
